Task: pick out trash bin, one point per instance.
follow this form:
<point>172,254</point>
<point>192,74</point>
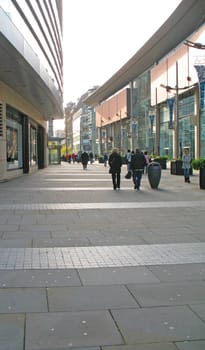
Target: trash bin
<point>154,174</point>
<point>202,178</point>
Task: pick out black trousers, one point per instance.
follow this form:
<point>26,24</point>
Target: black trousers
<point>137,176</point>
<point>116,179</point>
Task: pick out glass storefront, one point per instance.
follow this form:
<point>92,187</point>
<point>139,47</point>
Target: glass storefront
<point>143,128</point>
<point>13,139</point>
<point>21,140</point>
<point>33,145</point>
<point>186,124</point>
<point>166,134</point>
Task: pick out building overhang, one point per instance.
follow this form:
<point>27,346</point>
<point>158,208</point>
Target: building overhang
<point>21,70</point>
<point>186,19</point>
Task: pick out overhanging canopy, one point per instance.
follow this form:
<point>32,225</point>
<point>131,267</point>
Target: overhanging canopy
<point>188,16</point>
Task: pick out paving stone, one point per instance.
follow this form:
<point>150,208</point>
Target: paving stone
<point>119,275</point>
<point>179,272</point>
<point>70,329</point>
<point>163,294</point>
<point>8,227</point>
<point>89,298</point>
<point>61,242</point>
<point>26,234</point>
<point>191,345</point>
<point>165,324</point>
<point>84,348</point>
<point>179,237</point>
<point>199,310</point>
<point>3,219</point>
<point>16,243</point>
<point>39,278</point>
<point>23,300</point>
<point>153,346</point>
<point>11,332</point>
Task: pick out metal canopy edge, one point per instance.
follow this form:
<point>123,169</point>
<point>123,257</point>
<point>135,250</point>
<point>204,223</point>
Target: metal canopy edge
<point>188,16</point>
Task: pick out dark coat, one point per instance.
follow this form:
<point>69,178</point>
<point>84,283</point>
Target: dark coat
<point>138,161</point>
<point>115,162</point>
<point>84,158</point>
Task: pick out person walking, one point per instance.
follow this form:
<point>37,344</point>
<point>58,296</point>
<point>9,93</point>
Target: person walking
<point>138,162</point>
<point>186,165</point>
<point>105,159</point>
<point>128,162</point>
<point>147,161</point>
<point>115,163</point>
<point>84,160</point>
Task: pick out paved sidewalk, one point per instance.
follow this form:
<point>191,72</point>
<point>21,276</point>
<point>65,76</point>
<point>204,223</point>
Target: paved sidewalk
<point>86,267</point>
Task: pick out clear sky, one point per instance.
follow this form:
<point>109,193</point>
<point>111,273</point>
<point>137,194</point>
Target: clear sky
<point>100,36</point>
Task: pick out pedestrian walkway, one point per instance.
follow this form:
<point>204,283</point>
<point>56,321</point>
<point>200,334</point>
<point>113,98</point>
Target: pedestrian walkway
<point>86,267</point>
<point>106,256</point>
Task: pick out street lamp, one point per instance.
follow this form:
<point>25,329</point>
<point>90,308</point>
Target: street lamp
<point>120,116</point>
<point>194,45</point>
<point>101,123</point>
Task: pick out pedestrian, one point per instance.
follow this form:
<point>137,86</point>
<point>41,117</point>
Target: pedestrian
<point>91,157</point>
<point>84,160</point>
<point>73,156</point>
<point>138,162</point>
<point>105,159</point>
<point>128,162</point>
<point>115,163</point>
<point>147,161</point>
<point>186,165</point>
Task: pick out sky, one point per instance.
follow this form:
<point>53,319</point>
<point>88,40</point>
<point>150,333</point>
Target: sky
<point>100,36</point>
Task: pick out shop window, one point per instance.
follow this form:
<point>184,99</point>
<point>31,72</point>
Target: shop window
<point>13,140</point>
<point>33,145</point>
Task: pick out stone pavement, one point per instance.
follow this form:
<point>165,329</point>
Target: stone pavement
<point>85,267</point>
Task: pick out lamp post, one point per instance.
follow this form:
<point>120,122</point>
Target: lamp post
<point>101,122</point>
<point>66,134</point>
<point>120,143</point>
<point>194,45</point>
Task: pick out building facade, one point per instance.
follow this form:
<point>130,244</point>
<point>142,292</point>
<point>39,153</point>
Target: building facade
<point>113,123</point>
<point>177,94</point>
<point>165,106</point>
<point>31,82</point>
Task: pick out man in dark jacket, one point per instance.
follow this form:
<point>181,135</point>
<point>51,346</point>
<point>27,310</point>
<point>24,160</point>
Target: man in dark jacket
<point>115,163</point>
<point>138,163</point>
<point>84,160</point>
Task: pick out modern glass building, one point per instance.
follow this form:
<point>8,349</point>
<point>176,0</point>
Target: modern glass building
<point>31,82</point>
<point>166,79</point>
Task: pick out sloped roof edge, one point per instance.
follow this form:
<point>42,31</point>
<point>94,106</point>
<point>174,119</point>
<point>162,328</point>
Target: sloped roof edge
<point>188,16</point>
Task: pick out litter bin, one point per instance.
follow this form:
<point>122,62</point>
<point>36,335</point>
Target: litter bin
<point>202,178</point>
<point>154,174</point>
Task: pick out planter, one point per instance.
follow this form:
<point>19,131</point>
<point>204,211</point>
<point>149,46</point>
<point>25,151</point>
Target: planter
<point>162,162</point>
<point>202,178</point>
<point>176,168</point>
<point>154,174</point>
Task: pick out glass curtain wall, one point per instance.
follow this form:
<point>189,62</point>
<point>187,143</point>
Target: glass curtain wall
<point>166,134</point>
<point>187,123</point>
<point>186,126</point>
<point>142,128</point>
